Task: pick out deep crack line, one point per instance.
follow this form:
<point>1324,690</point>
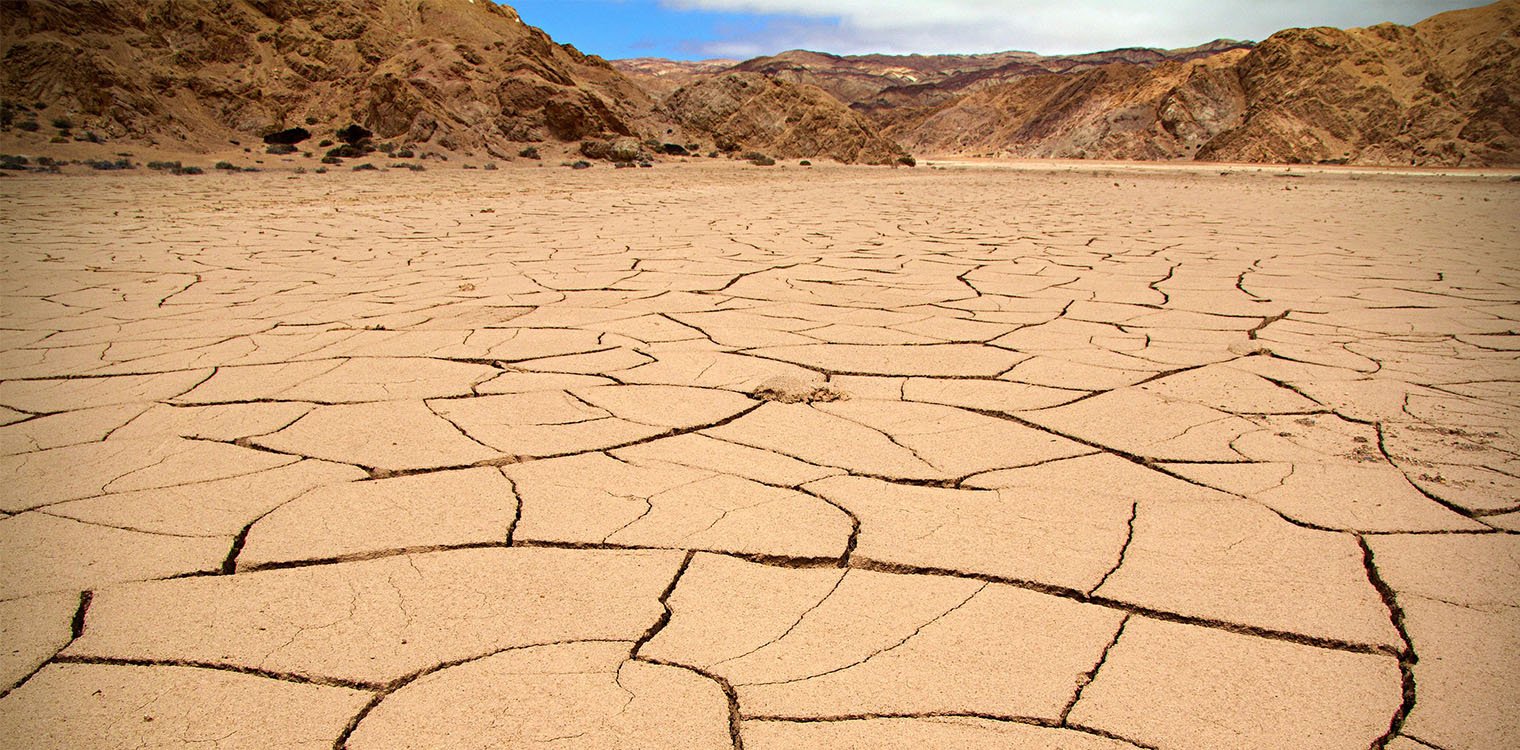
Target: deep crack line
<point>1087,677</point>
<point>1407,658</point>
<point>1134,512</point>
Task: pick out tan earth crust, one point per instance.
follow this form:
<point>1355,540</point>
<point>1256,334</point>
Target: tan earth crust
<point>1088,457</point>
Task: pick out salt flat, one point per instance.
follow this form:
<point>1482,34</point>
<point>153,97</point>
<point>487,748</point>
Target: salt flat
<point>706,456</point>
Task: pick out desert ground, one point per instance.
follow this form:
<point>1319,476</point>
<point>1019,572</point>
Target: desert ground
<point>706,456</point>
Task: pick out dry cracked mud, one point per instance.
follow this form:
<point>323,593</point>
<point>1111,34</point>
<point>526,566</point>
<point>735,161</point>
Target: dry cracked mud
<point>1091,458</point>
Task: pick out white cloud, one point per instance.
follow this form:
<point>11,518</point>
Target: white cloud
<point>1049,26</point>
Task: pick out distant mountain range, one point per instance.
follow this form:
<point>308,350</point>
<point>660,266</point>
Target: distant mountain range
<point>466,77</point>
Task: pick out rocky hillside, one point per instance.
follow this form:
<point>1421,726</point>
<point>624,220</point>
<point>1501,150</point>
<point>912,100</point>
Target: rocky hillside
<point>455,74</point>
<point>749,111</point>
<point>898,80</point>
<point>661,77</point>
<point>1444,92</point>
<point>1116,111</point>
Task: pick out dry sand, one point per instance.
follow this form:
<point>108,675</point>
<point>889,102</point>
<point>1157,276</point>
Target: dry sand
<point>704,456</point>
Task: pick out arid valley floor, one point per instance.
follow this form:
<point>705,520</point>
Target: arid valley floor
<point>708,457</point>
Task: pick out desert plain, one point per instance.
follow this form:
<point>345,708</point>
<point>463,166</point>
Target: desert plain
<point>705,456</point>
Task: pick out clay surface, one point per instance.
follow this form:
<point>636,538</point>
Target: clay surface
<point>1089,457</point>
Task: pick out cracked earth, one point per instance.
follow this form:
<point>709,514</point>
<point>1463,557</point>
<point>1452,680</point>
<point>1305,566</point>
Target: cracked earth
<point>715,458</point>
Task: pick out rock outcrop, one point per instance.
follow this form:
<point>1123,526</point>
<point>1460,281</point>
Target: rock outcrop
<point>749,111</point>
<point>1444,92</point>
<point>457,74</point>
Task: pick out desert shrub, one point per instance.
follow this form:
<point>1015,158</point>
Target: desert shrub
<point>331,160</point>
<point>405,153</point>
<point>320,170</point>
<point>354,134</point>
<point>163,165</point>
<point>408,165</point>
<point>91,136</point>
<point>348,151</point>
<point>225,166</point>
<point>530,152</point>
<point>366,167</point>
<point>62,123</point>
<point>490,166</point>
<point>107,164</point>
<point>187,170</point>
<point>280,149</point>
<point>311,120</point>
<point>58,139</point>
<point>324,143</point>
<point>471,166</point>
<point>386,148</point>
<point>300,170</point>
<point>581,165</point>
<point>287,137</point>
<point>46,161</point>
<point>758,159</point>
<point>907,161</point>
<point>674,149</point>
<point>12,161</point>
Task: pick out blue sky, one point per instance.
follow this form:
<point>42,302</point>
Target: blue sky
<point>698,29</point>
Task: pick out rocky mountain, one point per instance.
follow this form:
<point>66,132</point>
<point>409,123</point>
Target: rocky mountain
<point>661,77</point>
<point>457,74</point>
<point>1115,111</point>
<point>1444,92</point>
<point>470,76</point>
<point>897,80</point>
<point>781,119</point>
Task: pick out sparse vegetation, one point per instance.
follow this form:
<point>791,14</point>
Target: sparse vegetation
<point>62,123</point>
<point>490,165</point>
<point>331,160</point>
<point>907,161</point>
<point>12,161</point>
<point>287,137</point>
<point>225,166</point>
<point>758,159</point>
<point>530,152</point>
<point>29,126</point>
<point>581,165</point>
<point>366,167</point>
<point>280,149</point>
<point>349,151</point>
<point>108,164</point>
<point>408,165</point>
<point>405,153</point>
<point>354,134</point>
